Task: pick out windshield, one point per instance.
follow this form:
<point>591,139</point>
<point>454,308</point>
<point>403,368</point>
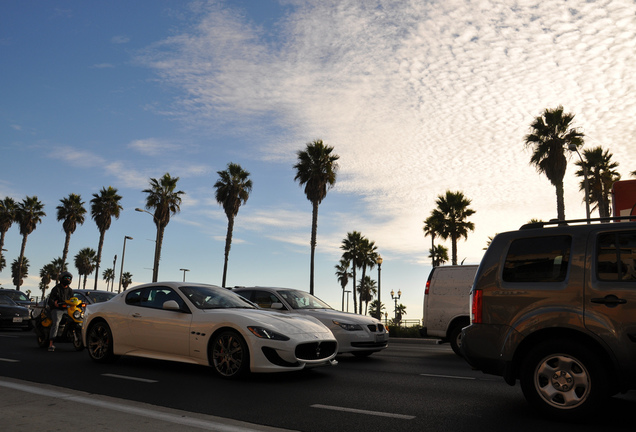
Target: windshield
<point>4,300</point>
<point>208,297</point>
<point>16,295</point>
<point>302,300</point>
<point>98,297</point>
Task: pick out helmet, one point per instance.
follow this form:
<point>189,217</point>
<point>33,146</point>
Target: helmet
<point>66,277</point>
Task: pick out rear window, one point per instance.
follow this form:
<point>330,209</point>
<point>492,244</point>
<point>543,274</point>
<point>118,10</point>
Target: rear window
<point>615,256</point>
<point>538,259</point>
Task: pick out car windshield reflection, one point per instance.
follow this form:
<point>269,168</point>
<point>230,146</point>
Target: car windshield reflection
<point>302,300</point>
<point>205,297</point>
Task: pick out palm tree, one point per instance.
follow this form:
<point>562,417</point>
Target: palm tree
<point>368,259</point>
<point>126,279</point>
<point>232,190</point>
<point>351,246</point>
<point>71,212</point>
<point>104,206</point>
<point>7,218</point>
<point>432,226</point>
<point>343,275</point>
<point>368,289</point>
<point>551,134</point>
<point>439,255</point>
<point>109,276</point>
<point>19,272</point>
<point>316,169</point>
<point>373,309</point>
<point>452,210</point>
<point>85,262</point>
<point>166,202</point>
<point>48,273</point>
<point>601,176</point>
<point>29,214</point>
<point>399,312</point>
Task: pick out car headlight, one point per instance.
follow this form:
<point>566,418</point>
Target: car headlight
<point>264,333</point>
<point>348,327</point>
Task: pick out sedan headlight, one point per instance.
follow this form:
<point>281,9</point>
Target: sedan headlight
<point>263,333</point>
<point>348,327</point>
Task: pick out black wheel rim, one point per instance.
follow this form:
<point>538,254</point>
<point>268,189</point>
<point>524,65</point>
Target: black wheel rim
<point>99,341</point>
<point>227,355</point>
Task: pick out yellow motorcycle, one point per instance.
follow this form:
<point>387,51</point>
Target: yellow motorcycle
<point>70,329</point>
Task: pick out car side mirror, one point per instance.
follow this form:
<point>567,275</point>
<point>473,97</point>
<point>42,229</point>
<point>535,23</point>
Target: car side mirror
<point>171,305</point>
<point>277,305</point>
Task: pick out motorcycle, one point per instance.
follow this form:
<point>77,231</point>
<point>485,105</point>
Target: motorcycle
<point>70,329</point>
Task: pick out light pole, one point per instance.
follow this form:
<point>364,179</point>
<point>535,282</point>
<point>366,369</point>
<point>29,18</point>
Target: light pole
<point>572,148</point>
<point>379,311</point>
<point>123,253</point>
<point>155,264</point>
<point>184,272</point>
<point>399,294</point>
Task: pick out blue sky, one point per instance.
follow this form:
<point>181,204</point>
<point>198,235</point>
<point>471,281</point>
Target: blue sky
<point>416,97</point>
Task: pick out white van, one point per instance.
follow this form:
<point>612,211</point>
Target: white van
<point>447,303</point>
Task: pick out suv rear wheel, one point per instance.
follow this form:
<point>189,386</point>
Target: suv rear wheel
<point>563,379</point>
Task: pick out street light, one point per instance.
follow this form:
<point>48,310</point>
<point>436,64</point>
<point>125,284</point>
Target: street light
<point>379,311</point>
<point>155,264</point>
<point>123,253</point>
<point>184,272</point>
<point>572,148</point>
<point>399,294</point>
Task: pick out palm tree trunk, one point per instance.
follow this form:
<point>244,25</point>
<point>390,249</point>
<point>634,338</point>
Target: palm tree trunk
<point>364,271</point>
<point>67,242</point>
<point>228,244</point>
<point>314,229</point>
<point>158,243</point>
<point>454,247</point>
<point>560,201</point>
<point>355,303</point>
<point>99,257</point>
<point>22,249</point>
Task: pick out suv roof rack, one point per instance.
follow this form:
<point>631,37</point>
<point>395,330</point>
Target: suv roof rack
<point>534,225</point>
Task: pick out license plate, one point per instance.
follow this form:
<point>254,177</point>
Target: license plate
<point>17,319</point>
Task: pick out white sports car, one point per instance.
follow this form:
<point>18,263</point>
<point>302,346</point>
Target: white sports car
<point>207,325</point>
<point>357,334</point>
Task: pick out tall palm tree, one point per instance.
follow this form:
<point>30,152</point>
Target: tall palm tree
<point>29,214</point>
<point>166,201</point>
<point>232,190</point>
<point>126,279</point>
<point>368,289</point>
<point>19,272</point>
<point>85,262</point>
<point>343,275</point>
<point>453,211</point>
<point>601,176</point>
<point>432,226</point>
<point>352,245</point>
<point>368,258</point>
<point>48,273</point>
<point>71,213</point>
<point>551,134</point>
<point>104,206</point>
<point>7,218</point>
<point>109,277</point>
<point>316,169</point>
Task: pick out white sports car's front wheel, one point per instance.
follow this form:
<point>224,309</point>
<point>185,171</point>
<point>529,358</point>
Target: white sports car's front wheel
<point>229,355</point>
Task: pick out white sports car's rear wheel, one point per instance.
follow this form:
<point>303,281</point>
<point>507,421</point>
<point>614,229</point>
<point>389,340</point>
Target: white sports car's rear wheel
<point>229,354</point>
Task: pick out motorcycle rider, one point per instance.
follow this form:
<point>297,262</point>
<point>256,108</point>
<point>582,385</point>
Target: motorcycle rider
<point>59,294</point>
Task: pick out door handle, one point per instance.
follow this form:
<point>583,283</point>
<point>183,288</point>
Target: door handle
<point>136,315</point>
<point>609,300</point>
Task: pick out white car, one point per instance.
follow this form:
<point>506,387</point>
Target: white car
<point>207,325</point>
<point>357,334</point>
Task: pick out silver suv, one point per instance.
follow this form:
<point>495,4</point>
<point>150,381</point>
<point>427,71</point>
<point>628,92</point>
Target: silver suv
<point>554,306</point>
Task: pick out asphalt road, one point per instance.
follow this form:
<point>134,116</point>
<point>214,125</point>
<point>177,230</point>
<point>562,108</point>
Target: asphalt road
<point>408,387</point>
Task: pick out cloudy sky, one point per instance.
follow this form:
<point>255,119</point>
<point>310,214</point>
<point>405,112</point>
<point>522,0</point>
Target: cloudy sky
<point>417,97</point>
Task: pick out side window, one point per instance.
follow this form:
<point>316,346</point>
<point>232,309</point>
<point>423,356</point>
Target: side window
<point>538,259</point>
<point>137,297</point>
<point>615,256</point>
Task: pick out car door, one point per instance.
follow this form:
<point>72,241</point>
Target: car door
<point>610,296</point>
<point>154,329</point>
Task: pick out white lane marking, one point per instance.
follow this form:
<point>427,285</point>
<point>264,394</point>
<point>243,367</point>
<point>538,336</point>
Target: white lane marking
<point>153,414</point>
<point>448,376</point>
<point>9,360</point>
<point>130,378</point>
<point>359,411</point>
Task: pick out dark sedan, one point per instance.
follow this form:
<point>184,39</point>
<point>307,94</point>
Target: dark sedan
<point>12,315</point>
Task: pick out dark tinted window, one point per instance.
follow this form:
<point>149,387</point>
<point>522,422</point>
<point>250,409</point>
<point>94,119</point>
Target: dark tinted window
<point>538,259</point>
<point>615,255</point>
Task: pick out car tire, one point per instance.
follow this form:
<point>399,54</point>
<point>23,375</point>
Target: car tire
<point>229,355</point>
<point>563,379</point>
<point>99,342</point>
<point>455,339</point>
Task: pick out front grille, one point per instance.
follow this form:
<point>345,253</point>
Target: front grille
<point>376,328</point>
<point>274,358</point>
<point>315,350</point>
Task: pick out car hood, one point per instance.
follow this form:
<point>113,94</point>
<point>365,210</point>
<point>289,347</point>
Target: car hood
<point>331,314</point>
<point>283,323</point>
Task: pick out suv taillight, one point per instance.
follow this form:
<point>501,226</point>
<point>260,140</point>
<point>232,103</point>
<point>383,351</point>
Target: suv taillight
<point>476,306</point>
<point>428,285</point>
